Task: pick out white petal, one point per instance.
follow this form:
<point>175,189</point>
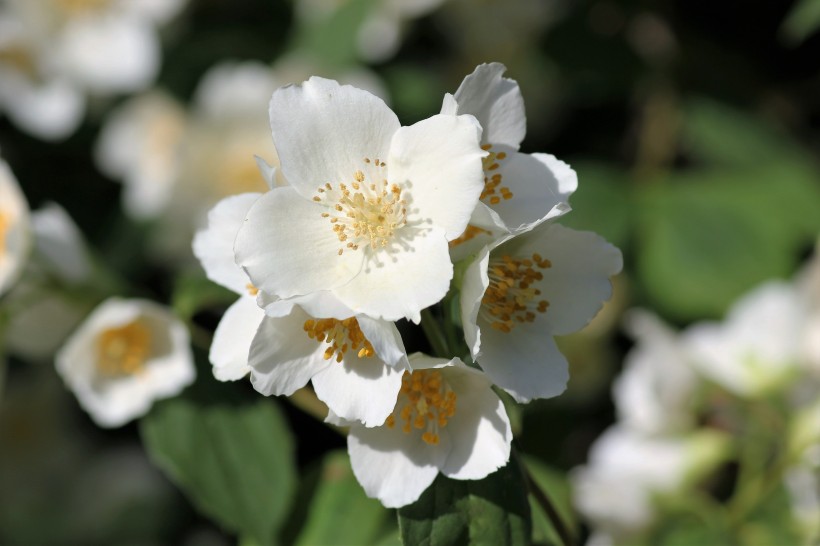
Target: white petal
<point>288,249</point>
<point>524,362</point>
<point>360,389</point>
<point>232,339</point>
<point>392,466</point>
<point>496,102</point>
<point>51,110</point>
<point>480,429</point>
<point>60,244</point>
<point>578,282</point>
<point>385,339</point>
<point>564,180</point>
<point>16,232</point>
<point>110,54</point>
<point>321,304</point>
<point>235,90</point>
<point>438,162</point>
<point>213,246</point>
<point>324,131</point>
<point>400,281</point>
<point>283,358</point>
<point>535,188</point>
<point>474,284</point>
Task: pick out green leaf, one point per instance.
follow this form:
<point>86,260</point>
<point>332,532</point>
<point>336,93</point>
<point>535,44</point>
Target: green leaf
<point>193,291</point>
<point>340,512</point>
<point>492,511</point>
<point>772,521</point>
<point>333,38</point>
<point>802,21</point>
<point>708,237</point>
<point>555,485</point>
<point>235,463</point>
<point>601,203</point>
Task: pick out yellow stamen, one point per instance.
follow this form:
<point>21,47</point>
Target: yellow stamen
<point>492,178</point>
<point>340,335</point>
<point>426,402</point>
<point>5,224</point>
<point>252,290</point>
<point>362,213</point>
<point>123,350</point>
<point>470,233</point>
<point>510,298</point>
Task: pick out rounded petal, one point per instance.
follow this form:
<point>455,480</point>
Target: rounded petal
<point>473,285</point>
<point>213,246</point>
<point>392,466</point>
<point>496,102</point>
<point>232,339</point>
<point>385,339</point>
<point>235,89</point>
<point>578,281</point>
<point>51,110</point>
<point>401,280</point>
<point>288,249</point>
<point>360,389</point>
<point>438,162</point>
<point>60,244</point>
<point>323,131</point>
<point>535,190</point>
<point>525,362</point>
<point>480,430</point>
<point>282,357</point>
<point>563,180</point>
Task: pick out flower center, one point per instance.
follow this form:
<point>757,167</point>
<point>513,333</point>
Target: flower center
<point>365,211</point>
<point>123,350</point>
<point>510,298</point>
<point>19,58</point>
<point>340,335</point>
<point>493,192</point>
<point>78,7</point>
<point>5,224</point>
<point>426,403</point>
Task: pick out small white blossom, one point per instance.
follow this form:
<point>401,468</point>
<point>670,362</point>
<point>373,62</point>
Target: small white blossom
<point>446,419</point>
<point>370,207</point>
<point>125,355</point>
<point>519,293</point>
<point>15,228</point>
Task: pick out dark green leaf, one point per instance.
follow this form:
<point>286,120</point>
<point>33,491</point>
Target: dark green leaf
<point>492,511</point>
<point>340,512</point>
<point>234,462</point>
<point>555,485</point>
<point>802,21</point>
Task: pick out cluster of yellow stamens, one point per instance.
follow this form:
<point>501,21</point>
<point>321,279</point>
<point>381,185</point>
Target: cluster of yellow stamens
<point>340,335</point>
<point>493,192</point>
<point>510,298</point>
<point>429,403</point>
<point>123,350</point>
<point>470,233</point>
<point>363,212</point>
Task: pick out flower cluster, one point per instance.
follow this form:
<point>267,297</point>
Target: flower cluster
<point>367,222</point>
<point>684,398</point>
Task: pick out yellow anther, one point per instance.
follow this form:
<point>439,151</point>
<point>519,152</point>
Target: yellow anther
<point>340,335</point>
<point>123,350</point>
<point>511,298</point>
<point>492,179</point>
<point>425,402</point>
<point>252,290</point>
<point>469,233</point>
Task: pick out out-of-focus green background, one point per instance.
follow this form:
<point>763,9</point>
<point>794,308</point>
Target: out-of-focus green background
<point>694,127</point>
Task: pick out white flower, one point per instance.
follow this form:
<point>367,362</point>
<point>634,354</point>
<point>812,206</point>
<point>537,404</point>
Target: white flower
<point>518,294</point>
<point>214,248</point>
<point>447,419</point>
<point>756,349</point>
<point>125,355</point>
<point>354,362</point>
<point>55,51</point>
<point>626,470</point>
<point>15,228</point>
<point>43,315</point>
<point>371,205</point>
<point>520,190</point>
<point>654,392</point>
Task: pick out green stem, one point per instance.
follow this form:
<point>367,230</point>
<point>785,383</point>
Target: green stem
<point>546,504</point>
<point>432,329</point>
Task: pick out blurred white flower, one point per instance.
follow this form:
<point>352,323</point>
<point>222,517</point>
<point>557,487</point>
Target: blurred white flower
<point>447,419</point>
<point>626,471</point>
<point>653,394</point>
<point>756,349</point>
<point>15,228</point>
<point>53,52</point>
<point>519,293</point>
<point>370,207</point>
<point>125,355</point>
<point>520,190</point>
<point>44,311</point>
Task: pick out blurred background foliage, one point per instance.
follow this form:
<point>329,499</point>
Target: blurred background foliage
<point>694,128</point>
